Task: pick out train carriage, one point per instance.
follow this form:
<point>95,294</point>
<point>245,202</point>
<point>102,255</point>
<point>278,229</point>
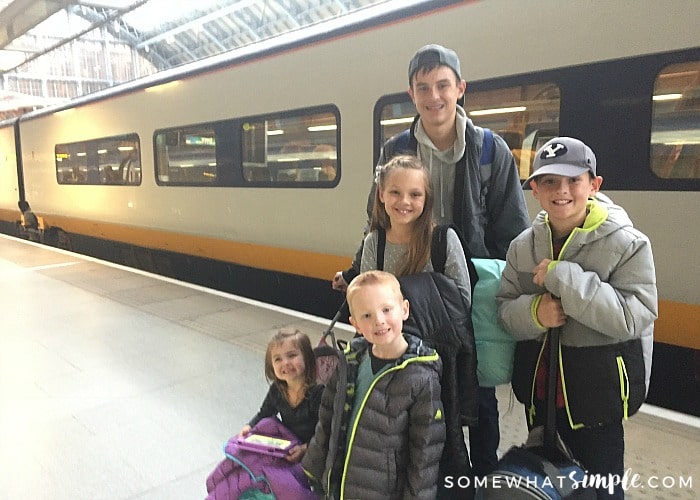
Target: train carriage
<point>249,171</point>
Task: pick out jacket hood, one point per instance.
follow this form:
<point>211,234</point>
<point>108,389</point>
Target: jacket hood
<point>441,164</point>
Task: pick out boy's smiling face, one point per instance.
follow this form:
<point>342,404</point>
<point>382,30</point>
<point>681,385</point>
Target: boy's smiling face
<point>565,198</point>
<point>435,95</point>
<point>378,313</point>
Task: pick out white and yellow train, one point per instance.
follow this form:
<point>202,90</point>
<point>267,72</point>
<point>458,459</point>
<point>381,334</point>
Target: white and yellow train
<point>249,171</point>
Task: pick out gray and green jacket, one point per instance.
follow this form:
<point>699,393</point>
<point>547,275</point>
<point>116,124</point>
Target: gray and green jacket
<point>607,284</point>
<point>392,449</point>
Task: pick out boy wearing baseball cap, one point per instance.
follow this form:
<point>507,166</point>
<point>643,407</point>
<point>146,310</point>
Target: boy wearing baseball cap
<point>582,267</point>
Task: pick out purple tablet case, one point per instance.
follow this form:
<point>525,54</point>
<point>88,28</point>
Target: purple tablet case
<point>267,445</point>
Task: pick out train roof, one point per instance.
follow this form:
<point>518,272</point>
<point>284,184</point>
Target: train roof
<point>133,38</point>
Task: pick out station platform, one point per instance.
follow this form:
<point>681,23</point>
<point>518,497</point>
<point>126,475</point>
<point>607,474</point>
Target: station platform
<point>119,384</point>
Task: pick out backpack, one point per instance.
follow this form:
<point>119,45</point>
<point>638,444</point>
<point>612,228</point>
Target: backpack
<point>544,466</point>
<point>328,355</point>
<point>247,474</point>
<point>495,347</point>
<point>439,315</point>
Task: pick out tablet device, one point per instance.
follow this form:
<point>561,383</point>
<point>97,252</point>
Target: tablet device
<point>266,445</point>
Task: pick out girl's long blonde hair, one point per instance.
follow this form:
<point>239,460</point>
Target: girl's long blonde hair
<point>418,251</point>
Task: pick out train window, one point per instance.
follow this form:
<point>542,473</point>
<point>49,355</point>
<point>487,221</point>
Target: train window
<point>111,160</point>
<point>526,116</point>
<point>289,149</point>
<point>187,155</point>
<point>293,149</point>
<point>675,131</point>
<point>396,117</point>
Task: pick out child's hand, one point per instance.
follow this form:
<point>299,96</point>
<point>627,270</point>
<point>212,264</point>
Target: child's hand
<point>245,430</point>
<point>296,453</point>
<point>540,272</point>
<point>338,282</point>
<point>550,313</point>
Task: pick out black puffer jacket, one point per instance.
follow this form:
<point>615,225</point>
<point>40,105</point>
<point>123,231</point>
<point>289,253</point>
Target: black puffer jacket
<point>395,443</point>
<point>438,316</point>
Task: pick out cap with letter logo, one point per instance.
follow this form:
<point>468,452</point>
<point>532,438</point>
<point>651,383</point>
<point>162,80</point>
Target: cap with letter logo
<point>563,156</point>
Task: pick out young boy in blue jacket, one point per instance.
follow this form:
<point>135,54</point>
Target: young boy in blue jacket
<point>584,268</point>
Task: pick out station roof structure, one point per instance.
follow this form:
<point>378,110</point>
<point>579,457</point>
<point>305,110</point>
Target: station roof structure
<point>53,50</point>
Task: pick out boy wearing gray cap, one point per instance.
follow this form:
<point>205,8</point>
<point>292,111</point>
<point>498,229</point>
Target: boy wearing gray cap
<point>582,267</point>
<point>486,202</point>
<point>490,211</point>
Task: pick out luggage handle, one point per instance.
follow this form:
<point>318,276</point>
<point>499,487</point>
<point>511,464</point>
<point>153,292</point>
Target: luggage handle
<point>550,425</point>
<point>328,332</point>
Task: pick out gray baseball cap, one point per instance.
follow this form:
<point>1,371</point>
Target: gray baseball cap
<point>563,156</point>
<point>434,54</point>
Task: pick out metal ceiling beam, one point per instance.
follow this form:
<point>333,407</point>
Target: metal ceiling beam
<point>240,22</point>
<point>107,18</point>
<point>197,22</point>
<point>22,15</point>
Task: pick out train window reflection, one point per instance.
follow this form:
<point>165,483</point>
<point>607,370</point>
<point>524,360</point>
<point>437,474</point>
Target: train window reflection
<point>187,155</point>
<point>110,160</point>
<point>288,149</point>
<point>675,131</point>
<point>396,117</point>
<point>292,149</point>
<point>526,116</point>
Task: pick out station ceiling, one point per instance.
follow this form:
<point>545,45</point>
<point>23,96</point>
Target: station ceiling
<point>166,33</point>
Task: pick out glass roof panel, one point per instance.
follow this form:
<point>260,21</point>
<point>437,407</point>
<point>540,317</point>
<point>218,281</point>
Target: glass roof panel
<point>90,45</point>
<point>157,13</point>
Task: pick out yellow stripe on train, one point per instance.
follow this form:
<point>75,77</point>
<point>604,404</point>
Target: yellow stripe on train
<point>299,262</point>
<point>678,323</point>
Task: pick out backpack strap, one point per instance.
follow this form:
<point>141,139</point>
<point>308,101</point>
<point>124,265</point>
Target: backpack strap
<point>402,142</point>
<point>381,245</point>
<point>255,479</point>
<point>438,248</point>
<point>438,252</point>
<point>487,149</point>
